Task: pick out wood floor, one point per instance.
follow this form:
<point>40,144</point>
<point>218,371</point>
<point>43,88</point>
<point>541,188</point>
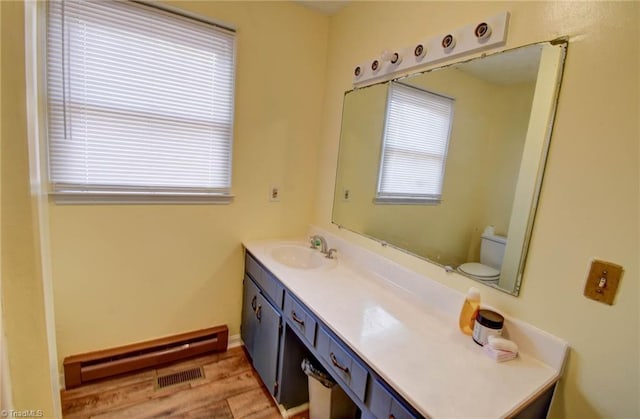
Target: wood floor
<point>231,389</point>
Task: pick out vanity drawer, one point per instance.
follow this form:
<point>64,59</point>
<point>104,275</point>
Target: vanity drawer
<point>269,284</point>
<point>300,319</point>
<point>342,363</point>
<point>384,405</point>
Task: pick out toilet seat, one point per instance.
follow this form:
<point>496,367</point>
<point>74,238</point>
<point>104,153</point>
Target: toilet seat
<point>479,271</point>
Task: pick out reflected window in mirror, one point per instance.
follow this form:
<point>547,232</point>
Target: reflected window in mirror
<point>414,146</point>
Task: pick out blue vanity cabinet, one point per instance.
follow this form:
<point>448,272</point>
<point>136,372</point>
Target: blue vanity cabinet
<point>260,331</point>
<point>271,287</point>
<point>279,331</point>
<point>249,322</point>
<point>300,319</point>
<point>265,344</point>
<point>342,364</point>
<point>383,404</point>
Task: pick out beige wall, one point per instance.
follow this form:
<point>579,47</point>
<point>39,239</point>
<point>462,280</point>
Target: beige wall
<point>6,401</point>
<point>589,199</point>
<point>22,291</point>
<point>126,273</point>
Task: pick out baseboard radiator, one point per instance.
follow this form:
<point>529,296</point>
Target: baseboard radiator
<point>84,368</point>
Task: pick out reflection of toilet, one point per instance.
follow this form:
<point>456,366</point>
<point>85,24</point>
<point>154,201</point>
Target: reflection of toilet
<point>491,254</point>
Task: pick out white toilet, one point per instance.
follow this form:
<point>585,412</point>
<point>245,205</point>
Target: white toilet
<point>491,254</point>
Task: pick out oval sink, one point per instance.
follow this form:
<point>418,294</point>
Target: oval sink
<point>300,257</point>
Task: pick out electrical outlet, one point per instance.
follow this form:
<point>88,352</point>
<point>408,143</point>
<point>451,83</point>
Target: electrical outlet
<point>346,194</point>
<point>274,193</point>
<point>602,282</point>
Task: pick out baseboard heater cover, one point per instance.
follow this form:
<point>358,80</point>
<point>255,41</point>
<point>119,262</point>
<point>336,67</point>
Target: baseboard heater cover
<point>91,366</point>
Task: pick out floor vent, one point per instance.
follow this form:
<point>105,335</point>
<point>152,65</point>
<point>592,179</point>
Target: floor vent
<point>179,377</point>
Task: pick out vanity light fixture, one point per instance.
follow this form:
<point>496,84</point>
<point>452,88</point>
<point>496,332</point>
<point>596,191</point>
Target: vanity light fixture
<point>448,43</point>
<point>482,31</point>
<point>375,66</point>
<point>357,72</point>
<point>394,58</point>
<point>481,35</point>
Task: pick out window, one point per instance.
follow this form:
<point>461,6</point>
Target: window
<point>414,145</point>
<point>140,103</point>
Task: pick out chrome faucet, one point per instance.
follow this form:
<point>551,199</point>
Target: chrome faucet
<point>323,246</point>
<point>330,253</point>
<point>323,243</point>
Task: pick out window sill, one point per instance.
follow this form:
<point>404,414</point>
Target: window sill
<point>90,198</point>
<point>405,201</point>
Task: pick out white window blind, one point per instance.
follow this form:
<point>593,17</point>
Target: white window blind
<point>414,151</point>
<point>140,101</point>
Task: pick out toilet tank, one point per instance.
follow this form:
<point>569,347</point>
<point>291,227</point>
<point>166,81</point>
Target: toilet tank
<point>492,250</point>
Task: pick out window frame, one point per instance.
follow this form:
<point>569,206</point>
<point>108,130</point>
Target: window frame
<point>130,195</point>
<point>409,198</point>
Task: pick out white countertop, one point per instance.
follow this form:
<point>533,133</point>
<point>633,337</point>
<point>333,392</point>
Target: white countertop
<point>415,347</point>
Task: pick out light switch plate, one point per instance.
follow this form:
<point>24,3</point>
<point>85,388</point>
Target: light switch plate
<point>603,280</point>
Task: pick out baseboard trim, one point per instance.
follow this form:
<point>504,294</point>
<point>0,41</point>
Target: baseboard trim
<point>287,413</point>
<point>234,341</point>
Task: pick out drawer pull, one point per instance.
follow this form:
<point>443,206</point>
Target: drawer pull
<point>296,318</point>
<point>337,364</point>
<point>253,302</point>
<point>259,313</point>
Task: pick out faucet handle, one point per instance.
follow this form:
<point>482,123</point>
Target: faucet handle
<point>330,253</point>
<point>312,241</point>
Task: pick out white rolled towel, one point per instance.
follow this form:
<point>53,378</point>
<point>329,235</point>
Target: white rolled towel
<point>503,344</point>
<point>501,349</point>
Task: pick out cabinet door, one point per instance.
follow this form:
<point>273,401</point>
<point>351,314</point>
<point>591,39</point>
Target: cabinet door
<point>249,320</point>
<point>384,405</point>
<point>265,343</point>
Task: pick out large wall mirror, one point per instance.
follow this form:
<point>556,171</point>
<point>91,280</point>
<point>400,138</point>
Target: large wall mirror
<point>447,164</point>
